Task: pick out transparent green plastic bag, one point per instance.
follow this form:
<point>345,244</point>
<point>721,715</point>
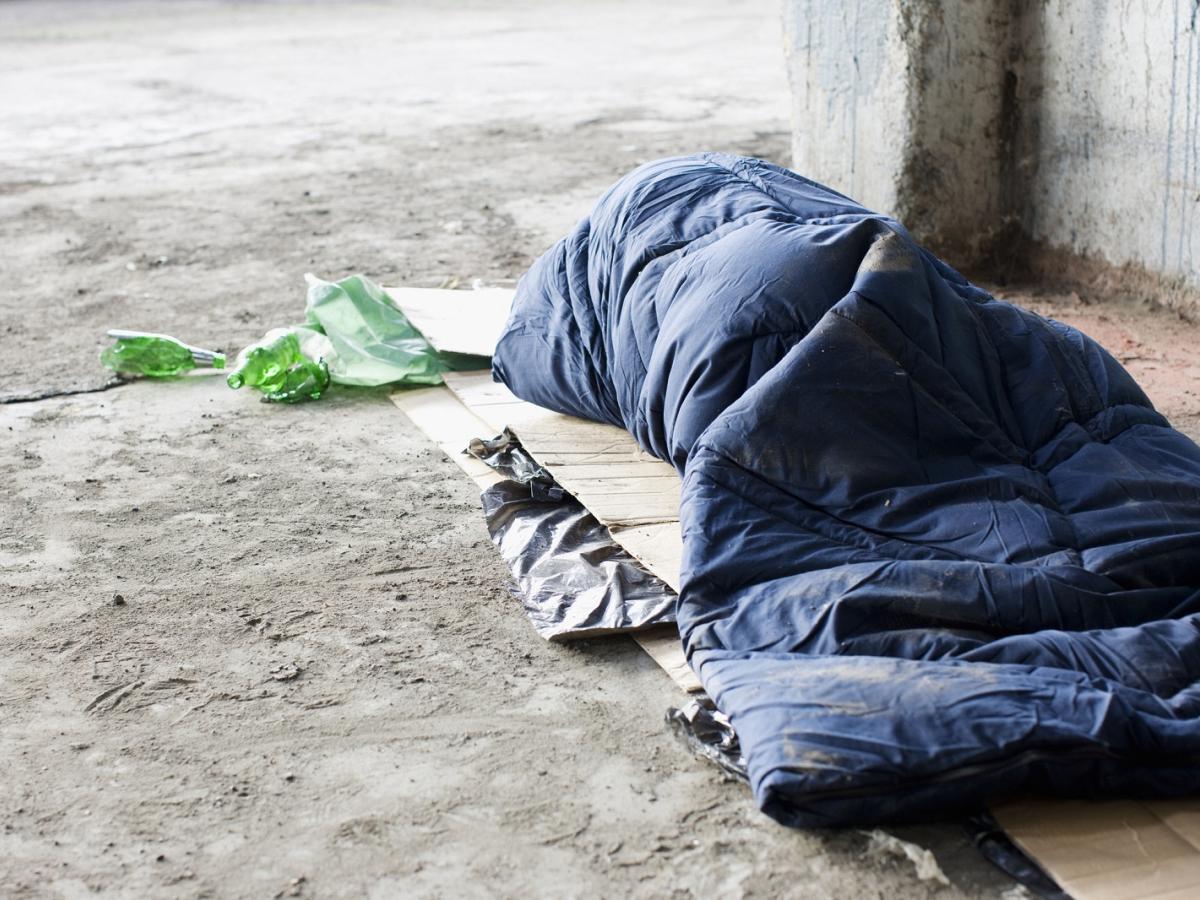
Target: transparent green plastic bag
<point>373,342</point>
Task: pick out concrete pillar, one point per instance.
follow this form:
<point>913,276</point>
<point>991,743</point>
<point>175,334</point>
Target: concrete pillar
<point>906,107</point>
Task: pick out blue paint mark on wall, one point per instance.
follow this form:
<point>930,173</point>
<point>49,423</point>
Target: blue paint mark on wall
<point>1181,189</point>
<point>1166,215</point>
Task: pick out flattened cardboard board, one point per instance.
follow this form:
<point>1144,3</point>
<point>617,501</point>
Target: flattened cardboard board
<point>456,321</point>
<point>1117,850</point>
<point>620,484</point>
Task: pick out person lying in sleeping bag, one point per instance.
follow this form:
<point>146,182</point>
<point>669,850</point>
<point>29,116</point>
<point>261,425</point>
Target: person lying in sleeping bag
<point>937,548</point>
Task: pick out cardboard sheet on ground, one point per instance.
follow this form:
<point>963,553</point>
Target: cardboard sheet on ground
<point>456,321</point>
<point>1120,850</point>
<point>1111,851</point>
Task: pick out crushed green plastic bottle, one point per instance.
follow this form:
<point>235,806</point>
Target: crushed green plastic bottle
<point>156,355</point>
<point>288,365</point>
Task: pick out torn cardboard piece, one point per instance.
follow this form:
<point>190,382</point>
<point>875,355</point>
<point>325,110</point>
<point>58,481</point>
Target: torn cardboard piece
<point>657,546</point>
<point>1116,850</point>
<point>466,322</point>
<point>450,425</point>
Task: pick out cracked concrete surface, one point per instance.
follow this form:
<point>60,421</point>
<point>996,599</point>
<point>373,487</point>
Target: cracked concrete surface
<point>315,681</point>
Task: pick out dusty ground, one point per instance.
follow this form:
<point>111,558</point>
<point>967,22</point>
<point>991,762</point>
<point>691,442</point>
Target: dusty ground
<point>257,651</point>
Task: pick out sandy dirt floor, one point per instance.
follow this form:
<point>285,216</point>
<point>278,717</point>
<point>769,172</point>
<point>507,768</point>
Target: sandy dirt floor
<point>253,651</point>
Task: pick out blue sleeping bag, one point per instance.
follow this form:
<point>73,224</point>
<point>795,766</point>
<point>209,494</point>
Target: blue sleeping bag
<point>936,547</point>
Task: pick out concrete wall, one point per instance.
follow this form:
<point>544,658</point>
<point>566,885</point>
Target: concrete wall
<point>1113,97</point>
<point>897,104</point>
<point>1075,123</point>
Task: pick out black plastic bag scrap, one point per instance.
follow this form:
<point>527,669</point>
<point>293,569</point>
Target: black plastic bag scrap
<point>709,735</point>
<point>505,454</point>
<point>572,578</point>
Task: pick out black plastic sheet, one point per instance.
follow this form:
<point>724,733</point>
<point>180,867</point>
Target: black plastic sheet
<point>572,578</point>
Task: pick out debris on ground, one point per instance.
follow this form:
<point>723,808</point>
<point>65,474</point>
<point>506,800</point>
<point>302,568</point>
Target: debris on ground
<point>354,334</point>
<point>286,672</point>
<point>883,846</point>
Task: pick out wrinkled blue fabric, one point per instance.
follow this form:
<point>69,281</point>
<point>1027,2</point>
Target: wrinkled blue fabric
<point>937,548</point>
